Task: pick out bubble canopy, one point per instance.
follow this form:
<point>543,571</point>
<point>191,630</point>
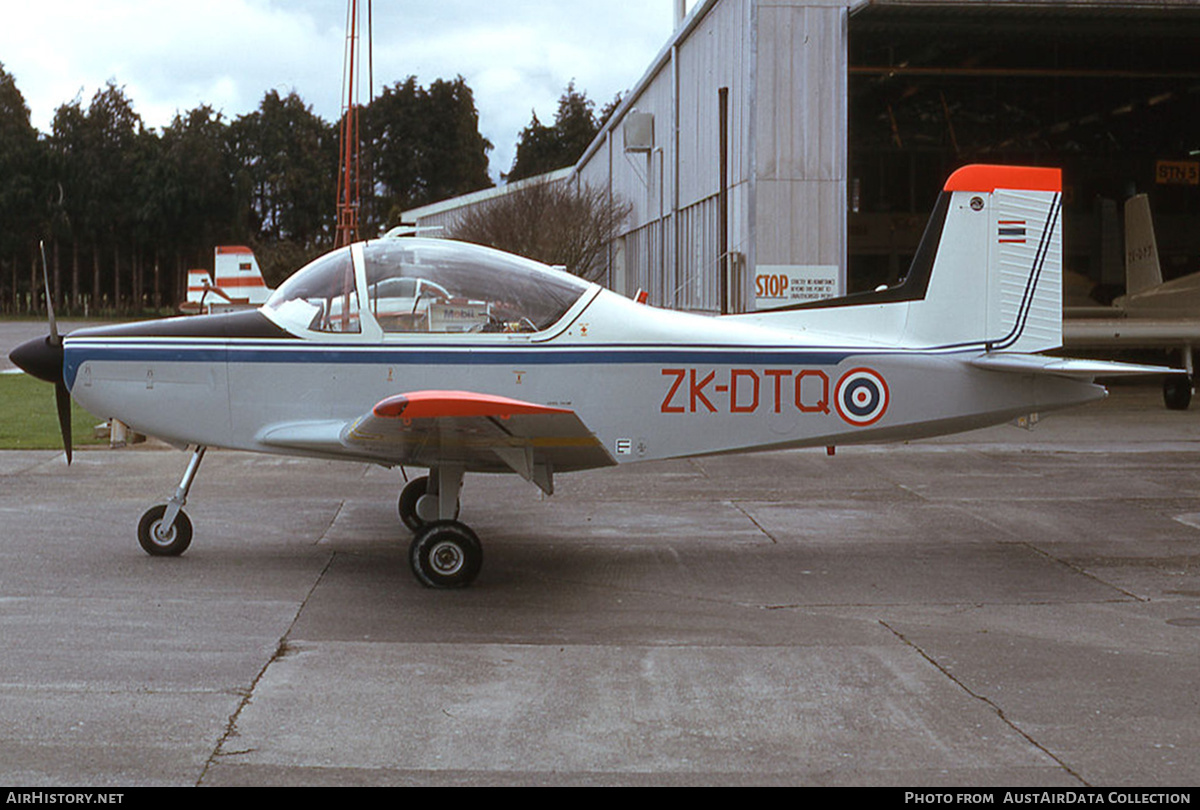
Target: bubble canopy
<point>412,285</point>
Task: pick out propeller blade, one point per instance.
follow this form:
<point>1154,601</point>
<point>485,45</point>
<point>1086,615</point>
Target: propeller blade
<point>49,360</point>
<point>62,398</point>
<point>54,338</point>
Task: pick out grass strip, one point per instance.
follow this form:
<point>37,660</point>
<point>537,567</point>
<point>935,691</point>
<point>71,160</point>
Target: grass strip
<point>29,419</point>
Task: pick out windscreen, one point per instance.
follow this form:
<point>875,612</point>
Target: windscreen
<point>438,285</point>
<point>320,296</point>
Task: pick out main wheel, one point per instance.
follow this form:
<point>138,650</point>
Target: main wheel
<point>445,554</point>
<point>409,496</point>
<point>1177,392</point>
<point>164,543</point>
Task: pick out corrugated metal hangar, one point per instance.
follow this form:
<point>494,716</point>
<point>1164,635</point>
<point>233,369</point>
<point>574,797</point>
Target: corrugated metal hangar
<point>783,149</point>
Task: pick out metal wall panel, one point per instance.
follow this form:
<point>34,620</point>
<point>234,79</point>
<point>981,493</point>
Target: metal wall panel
<point>717,54</point>
<point>784,65</point>
<point>800,144</point>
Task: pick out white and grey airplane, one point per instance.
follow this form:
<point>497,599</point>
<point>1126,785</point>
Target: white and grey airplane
<point>513,367</point>
<point>1151,314</point>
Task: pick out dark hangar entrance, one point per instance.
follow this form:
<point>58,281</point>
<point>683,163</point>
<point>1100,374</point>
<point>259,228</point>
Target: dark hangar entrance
<point>1108,91</point>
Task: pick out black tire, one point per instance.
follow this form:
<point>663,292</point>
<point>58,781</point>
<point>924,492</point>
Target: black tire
<point>176,540</point>
<point>445,554</point>
<point>413,491</point>
<point>1177,392</point>
<point>409,496</point>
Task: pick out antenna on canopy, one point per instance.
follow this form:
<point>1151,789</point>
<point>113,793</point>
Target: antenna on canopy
<point>410,230</point>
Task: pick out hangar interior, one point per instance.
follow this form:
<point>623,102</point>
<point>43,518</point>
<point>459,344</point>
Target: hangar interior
<point>1108,91</point>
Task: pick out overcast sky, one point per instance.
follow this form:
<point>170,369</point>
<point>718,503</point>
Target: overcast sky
<point>516,55</point>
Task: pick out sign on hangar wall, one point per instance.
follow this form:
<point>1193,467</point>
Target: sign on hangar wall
<point>780,285</point>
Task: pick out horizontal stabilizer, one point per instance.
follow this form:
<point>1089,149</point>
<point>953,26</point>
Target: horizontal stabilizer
<point>1064,366</point>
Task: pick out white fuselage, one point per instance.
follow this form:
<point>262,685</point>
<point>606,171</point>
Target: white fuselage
<point>649,383</point>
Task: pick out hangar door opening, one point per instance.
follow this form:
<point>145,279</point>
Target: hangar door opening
<point>1109,92</point>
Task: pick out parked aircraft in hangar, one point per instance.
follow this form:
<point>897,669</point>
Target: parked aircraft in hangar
<point>1152,314</point>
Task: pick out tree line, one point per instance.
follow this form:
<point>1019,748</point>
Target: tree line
<point>124,210</point>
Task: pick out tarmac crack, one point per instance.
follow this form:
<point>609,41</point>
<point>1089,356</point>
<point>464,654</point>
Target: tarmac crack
<point>996,709</point>
<point>282,649</point>
<point>1019,541</point>
<point>1083,572</point>
<point>757,525</point>
<point>332,522</point>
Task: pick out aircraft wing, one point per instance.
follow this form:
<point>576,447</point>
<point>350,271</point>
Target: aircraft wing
<point>481,432</point>
<point>1131,332</point>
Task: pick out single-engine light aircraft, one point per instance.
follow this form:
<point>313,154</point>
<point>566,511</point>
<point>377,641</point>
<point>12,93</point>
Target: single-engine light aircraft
<point>458,358</point>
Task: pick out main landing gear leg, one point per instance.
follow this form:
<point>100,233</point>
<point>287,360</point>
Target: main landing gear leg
<point>165,530</point>
<point>444,553</point>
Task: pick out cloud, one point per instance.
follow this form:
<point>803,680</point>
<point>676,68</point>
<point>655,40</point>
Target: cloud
<point>167,56</point>
<point>517,56</point>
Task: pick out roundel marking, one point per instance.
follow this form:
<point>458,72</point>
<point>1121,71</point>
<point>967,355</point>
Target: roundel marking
<point>861,397</point>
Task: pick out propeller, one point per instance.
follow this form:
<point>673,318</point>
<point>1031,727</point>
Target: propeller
<point>43,358</point>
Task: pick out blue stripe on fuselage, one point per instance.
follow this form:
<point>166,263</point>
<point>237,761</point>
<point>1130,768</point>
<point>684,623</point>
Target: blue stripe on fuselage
<point>434,354</point>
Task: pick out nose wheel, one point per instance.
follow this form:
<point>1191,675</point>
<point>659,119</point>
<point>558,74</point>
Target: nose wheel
<point>160,539</point>
<point>165,530</point>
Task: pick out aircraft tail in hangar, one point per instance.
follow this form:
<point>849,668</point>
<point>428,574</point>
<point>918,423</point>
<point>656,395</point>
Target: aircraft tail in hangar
<point>1142,269</point>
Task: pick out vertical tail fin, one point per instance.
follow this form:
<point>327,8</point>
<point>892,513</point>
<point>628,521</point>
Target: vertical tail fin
<point>237,273</point>
<point>995,276</point>
<point>988,273</point>
<point>1142,271</point>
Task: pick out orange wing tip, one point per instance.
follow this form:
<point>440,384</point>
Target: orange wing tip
<point>433,404</point>
<point>986,179</point>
